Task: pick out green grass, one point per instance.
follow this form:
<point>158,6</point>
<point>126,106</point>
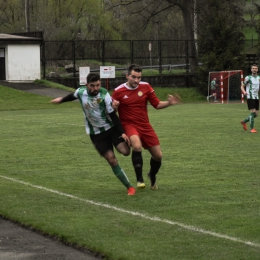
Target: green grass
<point>207,205</point>
<point>11,99</point>
<point>52,84</point>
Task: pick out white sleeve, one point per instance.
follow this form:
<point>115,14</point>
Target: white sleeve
<point>76,93</point>
<point>246,80</point>
<point>108,102</point>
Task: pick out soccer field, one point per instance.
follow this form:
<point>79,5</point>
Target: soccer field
<point>207,205</point>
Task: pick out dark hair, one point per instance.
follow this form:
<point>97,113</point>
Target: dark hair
<point>92,77</point>
<point>134,67</point>
<point>254,65</point>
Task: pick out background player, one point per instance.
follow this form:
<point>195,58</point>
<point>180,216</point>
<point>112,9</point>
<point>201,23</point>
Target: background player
<point>252,93</point>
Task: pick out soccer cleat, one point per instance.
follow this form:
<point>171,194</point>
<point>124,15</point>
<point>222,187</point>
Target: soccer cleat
<point>140,185</point>
<point>244,125</point>
<point>131,191</point>
<point>253,131</point>
<point>154,187</point>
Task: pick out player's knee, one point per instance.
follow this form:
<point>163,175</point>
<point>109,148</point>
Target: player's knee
<point>158,157</point>
<point>126,152</point>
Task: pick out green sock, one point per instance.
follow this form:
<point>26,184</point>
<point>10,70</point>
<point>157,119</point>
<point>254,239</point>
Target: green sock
<point>120,174</point>
<point>247,119</point>
<point>252,120</point>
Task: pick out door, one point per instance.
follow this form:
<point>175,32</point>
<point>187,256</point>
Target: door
<point>2,64</point>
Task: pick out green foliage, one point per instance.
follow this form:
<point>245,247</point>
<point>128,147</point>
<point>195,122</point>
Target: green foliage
<point>220,39</point>
<point>60,20</point>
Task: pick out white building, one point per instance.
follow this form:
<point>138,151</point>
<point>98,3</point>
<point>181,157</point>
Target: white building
<point>20,58</point>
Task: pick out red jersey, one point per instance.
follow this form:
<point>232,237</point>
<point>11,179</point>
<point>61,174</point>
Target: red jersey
<point>133,102</point>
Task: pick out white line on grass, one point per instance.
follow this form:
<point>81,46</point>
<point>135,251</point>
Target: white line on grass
<point>8,119</point>
<point>188,227</point>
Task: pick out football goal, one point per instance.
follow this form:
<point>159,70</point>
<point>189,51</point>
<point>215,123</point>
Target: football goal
<point>227,85</point>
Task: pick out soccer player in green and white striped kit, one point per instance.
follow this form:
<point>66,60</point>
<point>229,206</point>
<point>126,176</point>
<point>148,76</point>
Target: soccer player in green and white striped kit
<point>102,124</point>
<point>252,93</point>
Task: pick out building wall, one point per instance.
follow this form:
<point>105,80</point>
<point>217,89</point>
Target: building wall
<point>22,62</point>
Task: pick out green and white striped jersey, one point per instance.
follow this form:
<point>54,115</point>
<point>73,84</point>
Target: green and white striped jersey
<point>252,86</point>
<point>96,110</point>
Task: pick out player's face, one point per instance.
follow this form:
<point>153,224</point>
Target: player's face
<point>93,87</point>
<point>254,70</point>
<point>133,79</point>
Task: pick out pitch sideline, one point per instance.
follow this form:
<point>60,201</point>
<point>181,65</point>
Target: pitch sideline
<point>188,227</point>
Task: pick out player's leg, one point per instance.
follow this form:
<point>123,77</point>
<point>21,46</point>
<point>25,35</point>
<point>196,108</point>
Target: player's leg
<point>252,118</point>
<point>254,114</point>
<point>212,94</point>
<point>104,146</point>
<point>215,96</point>
<point>137,159</point>
<point>118,171</point>
<point>120,144</point>
<point>155,163</point>
<point>134,134</point>
<point>151,143</point>
<point>250,106</point>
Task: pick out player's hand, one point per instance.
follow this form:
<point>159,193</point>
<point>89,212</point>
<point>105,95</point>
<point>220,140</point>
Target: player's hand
<point>245,93</point>
<point>125,137</point>
<point>56,100</point>
<point>115,104</point>
<point>174,99</point>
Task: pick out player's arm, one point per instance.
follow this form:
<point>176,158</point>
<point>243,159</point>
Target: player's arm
<point>115,104</point>
<point>172,100</point>
<point>243,88</point>
<point>117,124</point>
<point>67,98</point>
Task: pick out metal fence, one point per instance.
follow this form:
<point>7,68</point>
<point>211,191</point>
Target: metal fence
<point>175,53</point>
<point>122,53</point>
<point>63,58</point>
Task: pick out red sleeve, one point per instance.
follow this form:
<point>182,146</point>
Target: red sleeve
<point>153,99</point>
<point>114,96</point>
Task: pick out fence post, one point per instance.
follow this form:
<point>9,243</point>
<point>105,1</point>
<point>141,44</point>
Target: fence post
<point>132,51</point>
<point>74,58</point>
<point>103,53</point>
<point>160,57</point>
<point>43,60</point>
<point>187,55</point>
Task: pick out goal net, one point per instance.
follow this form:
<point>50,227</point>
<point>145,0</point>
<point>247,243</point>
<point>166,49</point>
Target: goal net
<point>227,85</point>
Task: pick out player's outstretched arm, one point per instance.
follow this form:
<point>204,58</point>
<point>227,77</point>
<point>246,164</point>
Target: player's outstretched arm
<point>172,100</point>
<point>56,100</point>
<point>67,98</point>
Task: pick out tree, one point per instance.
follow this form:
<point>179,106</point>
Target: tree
<point>254,11</point>
<point>187,8</point>
<point>150,14</point>
<point>220,37</point>
<point>60,20</point>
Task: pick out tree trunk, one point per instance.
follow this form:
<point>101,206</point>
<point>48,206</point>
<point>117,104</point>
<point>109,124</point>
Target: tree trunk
<point>188,10</point>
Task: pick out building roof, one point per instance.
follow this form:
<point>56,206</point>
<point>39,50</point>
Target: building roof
<point>14,39</point>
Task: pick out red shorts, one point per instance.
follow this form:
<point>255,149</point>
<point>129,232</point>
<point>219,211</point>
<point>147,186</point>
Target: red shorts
<point>146,133</point>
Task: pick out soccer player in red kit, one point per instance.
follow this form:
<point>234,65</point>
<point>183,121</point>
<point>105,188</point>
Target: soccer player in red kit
<point>131,99</point>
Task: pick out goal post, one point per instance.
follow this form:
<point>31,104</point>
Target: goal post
<point>228,85</point>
